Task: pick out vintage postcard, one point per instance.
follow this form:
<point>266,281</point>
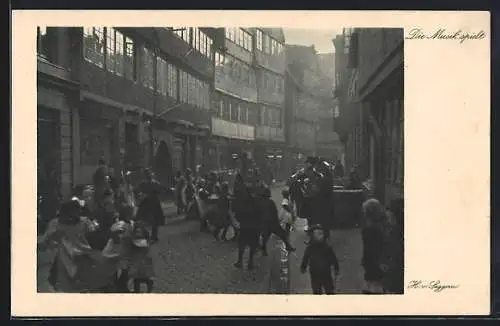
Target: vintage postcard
<point>250,163</point>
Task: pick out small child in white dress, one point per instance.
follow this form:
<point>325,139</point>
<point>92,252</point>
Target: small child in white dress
<point>286,215</point>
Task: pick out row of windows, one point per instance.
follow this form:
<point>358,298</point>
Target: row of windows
<point>305,128</point>
<point>272,82</point>
<point>100,43</point>
<point>270,116</point>
<point>202,43</point>
<point>119,59</point>
<point>196,38</point>
<point>238,70</point>
<point>240,36</point>
<point>193,91</point>
<point>234,110</point>
<point>183,33</point>
<point>166,78</point>
<point>267,44</point>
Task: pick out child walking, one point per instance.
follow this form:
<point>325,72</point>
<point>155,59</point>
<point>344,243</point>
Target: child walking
<point>141,263</point>
<point>319,258</point>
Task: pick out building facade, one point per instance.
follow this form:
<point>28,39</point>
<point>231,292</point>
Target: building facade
<point>372,112</point>
<point>348,123</point>
<point>235,110</point>
<point>309,107</point>
<point>58,94</point>
<point>327,140</point>
<point>270,65</point>
<point>248,101</point>
<point>142,98</point>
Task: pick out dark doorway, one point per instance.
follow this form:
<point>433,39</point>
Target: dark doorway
<point>162,165</point>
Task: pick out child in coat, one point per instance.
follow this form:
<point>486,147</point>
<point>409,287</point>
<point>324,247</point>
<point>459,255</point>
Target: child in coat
<point>320,258</point>
<point>141,263</point>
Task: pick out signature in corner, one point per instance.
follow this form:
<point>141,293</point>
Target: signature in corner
<point>443,34</point>
<point>435,286</point>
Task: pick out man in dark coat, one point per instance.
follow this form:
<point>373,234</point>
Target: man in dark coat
<point>307,180</point>
<point>248,213</point>
<point>150,209</point>
<point>271,223</point>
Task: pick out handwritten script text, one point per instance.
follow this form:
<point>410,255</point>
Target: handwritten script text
<point>443,34</point>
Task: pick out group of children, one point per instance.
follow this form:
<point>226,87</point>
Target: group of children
<point>98,251</point>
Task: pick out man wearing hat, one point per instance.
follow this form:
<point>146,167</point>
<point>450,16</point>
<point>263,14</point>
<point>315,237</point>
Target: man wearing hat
<point>308,180</point>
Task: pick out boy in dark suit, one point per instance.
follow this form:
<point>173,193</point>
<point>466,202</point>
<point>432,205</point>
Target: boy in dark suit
<point>319,258</point>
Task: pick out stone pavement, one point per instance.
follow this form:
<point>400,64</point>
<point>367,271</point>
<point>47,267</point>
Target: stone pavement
<point>348,248</point>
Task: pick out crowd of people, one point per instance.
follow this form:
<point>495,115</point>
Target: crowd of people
<point>104,232</point>
<point>247,209</point>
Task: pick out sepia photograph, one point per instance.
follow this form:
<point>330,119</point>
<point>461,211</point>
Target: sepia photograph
<point>223,160</point>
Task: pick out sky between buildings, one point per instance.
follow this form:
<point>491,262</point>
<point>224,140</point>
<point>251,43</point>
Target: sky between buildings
<point>320,38</point>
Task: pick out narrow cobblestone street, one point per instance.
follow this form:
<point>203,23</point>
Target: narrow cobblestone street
<point>188,261</point>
